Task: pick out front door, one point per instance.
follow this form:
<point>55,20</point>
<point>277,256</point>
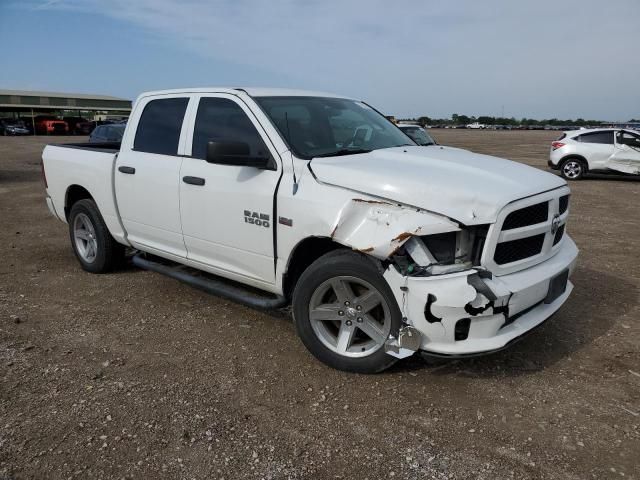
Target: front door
<point>600,148</point>
<point>626,157</point>
<point>147,176</point>
<point>226,210</point>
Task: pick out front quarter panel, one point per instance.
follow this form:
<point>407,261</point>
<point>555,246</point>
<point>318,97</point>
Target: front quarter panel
<point>360,222</point>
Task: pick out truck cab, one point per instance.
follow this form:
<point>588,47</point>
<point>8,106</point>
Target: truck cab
<point>382,247</point>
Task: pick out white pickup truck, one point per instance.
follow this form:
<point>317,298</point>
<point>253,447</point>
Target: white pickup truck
<point>382,247</point>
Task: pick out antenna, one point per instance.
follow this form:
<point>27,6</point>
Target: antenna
<point>293,168</point>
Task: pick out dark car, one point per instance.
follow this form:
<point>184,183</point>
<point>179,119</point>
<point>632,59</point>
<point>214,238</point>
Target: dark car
<point>107,133</point>
<point>11,126</point>
<point>78,125</point>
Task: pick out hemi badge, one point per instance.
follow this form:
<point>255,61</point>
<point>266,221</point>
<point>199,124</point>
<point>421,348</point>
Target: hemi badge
<point>285,221</point>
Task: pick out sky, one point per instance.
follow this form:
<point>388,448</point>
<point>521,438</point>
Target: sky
<point>534,59</point>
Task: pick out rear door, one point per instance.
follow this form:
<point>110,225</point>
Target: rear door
<point>598,148</point>
<point>147,175</point>
<point>626,157</point>
<point>227,214</point>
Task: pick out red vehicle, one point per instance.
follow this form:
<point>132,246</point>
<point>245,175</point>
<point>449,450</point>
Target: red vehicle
<point>48,125</point>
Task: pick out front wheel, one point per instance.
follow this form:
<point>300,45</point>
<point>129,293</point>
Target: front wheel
<point>344,311</point>
<point>95,248</point>
<point>573,169</point>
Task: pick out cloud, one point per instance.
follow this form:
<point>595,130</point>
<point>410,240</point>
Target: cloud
<point>534,58</point>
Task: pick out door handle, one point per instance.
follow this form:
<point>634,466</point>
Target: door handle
<point>129,170</point>
<point>193,180</point>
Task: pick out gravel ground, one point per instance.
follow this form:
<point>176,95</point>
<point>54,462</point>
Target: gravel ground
<point>134,375</point>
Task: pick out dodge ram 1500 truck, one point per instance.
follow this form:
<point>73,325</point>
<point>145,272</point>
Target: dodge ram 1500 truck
<point>383,248</point>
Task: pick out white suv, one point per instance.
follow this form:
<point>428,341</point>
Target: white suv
<point>602,150</point>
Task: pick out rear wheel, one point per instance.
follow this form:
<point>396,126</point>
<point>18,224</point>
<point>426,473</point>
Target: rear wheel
<point>344,311</point>
<point>95,248</point>
<point>573,169</point>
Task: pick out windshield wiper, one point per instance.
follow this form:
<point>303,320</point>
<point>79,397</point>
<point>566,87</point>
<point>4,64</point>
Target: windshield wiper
<point>401,145</point>
<point>344,151</point>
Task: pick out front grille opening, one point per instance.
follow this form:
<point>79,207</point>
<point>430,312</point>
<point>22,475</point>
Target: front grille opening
<point>461,330</point>
<point>507,252</point>
<point>559,235</point>
<point>564,203</point>
<point>524,217</point>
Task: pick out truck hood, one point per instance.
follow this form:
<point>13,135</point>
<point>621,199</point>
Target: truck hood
<point>462,185</point>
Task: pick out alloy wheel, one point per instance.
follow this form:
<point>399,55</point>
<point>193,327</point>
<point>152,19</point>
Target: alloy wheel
<point>349,316</point>
<point>572,169</point>
<point>84,235</point>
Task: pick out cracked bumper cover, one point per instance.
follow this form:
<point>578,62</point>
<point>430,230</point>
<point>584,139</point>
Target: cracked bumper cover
<point>519,304</point>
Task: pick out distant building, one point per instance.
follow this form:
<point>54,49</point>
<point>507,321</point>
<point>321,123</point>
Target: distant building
<point>26,105</point>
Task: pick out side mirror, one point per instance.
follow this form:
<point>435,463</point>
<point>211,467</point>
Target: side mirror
<point>235,153</point>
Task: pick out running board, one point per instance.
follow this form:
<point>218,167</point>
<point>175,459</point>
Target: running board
<point>210,284</point>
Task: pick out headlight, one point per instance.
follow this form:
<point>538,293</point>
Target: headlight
<point>445,252</point>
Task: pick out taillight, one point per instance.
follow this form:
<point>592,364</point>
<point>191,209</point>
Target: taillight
<point>556,145</point>
<point>44,176</point>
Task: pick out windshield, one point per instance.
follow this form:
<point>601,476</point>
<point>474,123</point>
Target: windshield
<point>324,127</point>
<point>418,135</point>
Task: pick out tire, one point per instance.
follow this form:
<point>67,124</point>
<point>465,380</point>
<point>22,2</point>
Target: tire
<point>93,245</point>
<point>346,336</point>
<point>573,168</point>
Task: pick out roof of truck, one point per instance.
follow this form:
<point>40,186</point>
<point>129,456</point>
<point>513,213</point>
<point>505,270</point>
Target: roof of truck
<point>251,91</point>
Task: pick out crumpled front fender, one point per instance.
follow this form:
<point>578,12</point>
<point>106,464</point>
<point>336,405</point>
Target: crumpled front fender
<point>380,228</point>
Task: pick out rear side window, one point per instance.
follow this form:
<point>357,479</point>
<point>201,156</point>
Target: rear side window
<point>222,120</point>
<point>597,137</point>
<point>159,126</point>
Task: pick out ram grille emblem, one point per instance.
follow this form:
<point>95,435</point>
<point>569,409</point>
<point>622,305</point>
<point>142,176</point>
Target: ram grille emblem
<point>555,224</point>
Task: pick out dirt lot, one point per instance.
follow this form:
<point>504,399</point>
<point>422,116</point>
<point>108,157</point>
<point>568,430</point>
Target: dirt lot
<point>134,375</point>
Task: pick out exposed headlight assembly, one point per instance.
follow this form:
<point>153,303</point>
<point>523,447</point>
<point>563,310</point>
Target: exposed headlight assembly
<point>445,252</point>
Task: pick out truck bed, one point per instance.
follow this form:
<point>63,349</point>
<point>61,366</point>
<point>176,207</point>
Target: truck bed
<point>89,167</point>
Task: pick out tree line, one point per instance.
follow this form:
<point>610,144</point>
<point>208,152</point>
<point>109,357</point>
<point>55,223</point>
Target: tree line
<point>457,119</point>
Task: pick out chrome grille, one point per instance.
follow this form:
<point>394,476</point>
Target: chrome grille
<point>507,252</point>
<point>523,217</point>
<point>564,203</point>
<point>527,232</point>
<point>559,235</point>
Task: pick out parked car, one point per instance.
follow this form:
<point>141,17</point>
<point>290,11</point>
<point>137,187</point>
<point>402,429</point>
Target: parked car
<point>476,126</point>
<point>107,133</point>
<point>78,125</point>
<point>600,150</point>
<point>417,134</point>
<point>382,247</point>
<point>11,126</point>
<point>48,125</point>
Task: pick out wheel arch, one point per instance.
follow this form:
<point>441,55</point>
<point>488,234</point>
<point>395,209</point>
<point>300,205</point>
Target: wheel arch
<point>306,251</point>
<point>73,194</point>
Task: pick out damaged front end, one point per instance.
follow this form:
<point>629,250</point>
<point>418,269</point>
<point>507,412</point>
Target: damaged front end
<point>415,243</point>
<point>451,305</point>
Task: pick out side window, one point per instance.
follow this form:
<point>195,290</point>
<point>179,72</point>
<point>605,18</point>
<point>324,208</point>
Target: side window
<point>597,137</point>
<point>221,119</point>
<point>627,138</point>
<point>159,126</point>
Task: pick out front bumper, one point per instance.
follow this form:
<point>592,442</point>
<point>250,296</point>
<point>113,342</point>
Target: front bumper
<point>509,306</point>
